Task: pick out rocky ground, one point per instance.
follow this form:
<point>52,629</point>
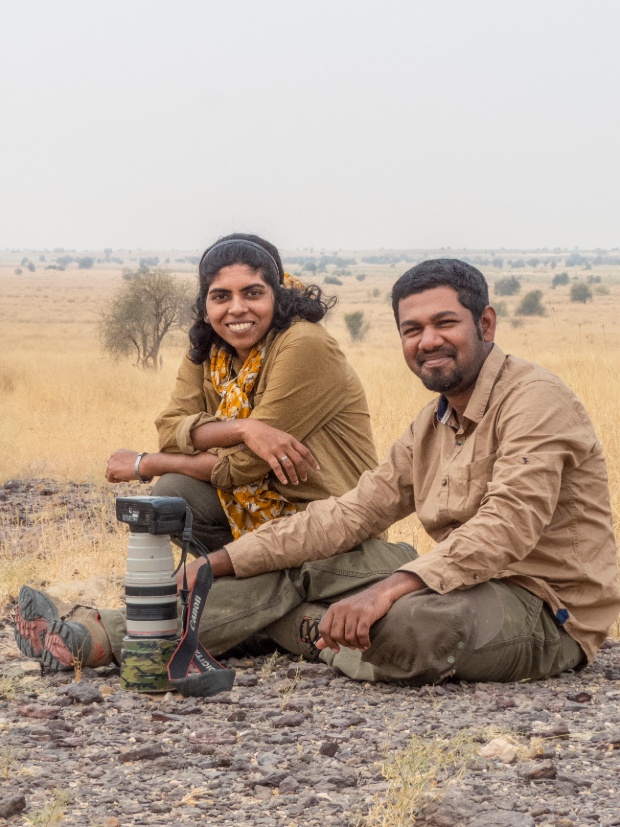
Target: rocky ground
<point>297,745</point>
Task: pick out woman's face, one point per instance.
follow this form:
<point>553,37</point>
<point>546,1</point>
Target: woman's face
<point>240,306</point>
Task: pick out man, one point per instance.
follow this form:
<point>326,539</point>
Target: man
<point>505,473</point>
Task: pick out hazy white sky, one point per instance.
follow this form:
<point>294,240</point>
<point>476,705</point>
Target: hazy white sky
<point>336,123</point>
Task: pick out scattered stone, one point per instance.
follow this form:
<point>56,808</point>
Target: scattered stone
<point>10,805</point>
<point>38,711</point>
<point>329,748</point>
<point>501,749</point>
<point>288,720</point>
<point>84,693</point>
<point>537,770</point>
<point>146,753</point>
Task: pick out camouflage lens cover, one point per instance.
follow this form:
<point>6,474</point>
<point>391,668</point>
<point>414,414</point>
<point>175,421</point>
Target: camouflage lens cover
<point>144,664</point>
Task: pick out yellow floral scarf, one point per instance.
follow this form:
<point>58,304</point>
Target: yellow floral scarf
<point>246,506</point>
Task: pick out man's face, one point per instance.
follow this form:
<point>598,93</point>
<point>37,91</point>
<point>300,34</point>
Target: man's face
<point>441,343</point>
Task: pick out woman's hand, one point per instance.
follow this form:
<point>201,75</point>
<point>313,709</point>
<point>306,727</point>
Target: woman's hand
<point>120,467</point>
<point>288,458</point>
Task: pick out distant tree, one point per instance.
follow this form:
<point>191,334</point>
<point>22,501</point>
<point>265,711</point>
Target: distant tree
<point>498,262</point>
<point>580,292</point>
<point>310,267</point>
<point>531,304</point>
<point>18,271</point>
<point>24,261</point>
<point>501,308</point>
<point>508,286</point>
<point>332,280</point>
<point>360,276</point>
<point>41,258</point>
<point>558,279</point>
<point>356,325</point>
<point>107,253</point>
<point>85,262</point>
<point>142,313</point>
<point>31,267</point>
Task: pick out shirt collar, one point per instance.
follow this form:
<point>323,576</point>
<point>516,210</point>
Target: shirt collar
<point>477,405</point>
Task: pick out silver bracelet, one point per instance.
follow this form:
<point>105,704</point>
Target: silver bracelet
<point>136,469</point>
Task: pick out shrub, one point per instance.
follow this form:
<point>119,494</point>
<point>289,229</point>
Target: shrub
<point>332,280</point>
<point>356,325</point>
<point>501,308</point>
<point>558,279</point>
<point>360,276</point>
<point>580,292</point>
<point>531,304</point>
<point>508,286</point>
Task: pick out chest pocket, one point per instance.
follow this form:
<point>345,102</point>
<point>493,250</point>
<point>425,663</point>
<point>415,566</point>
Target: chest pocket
<point>468,485</point>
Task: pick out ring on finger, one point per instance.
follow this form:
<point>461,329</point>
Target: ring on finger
<point>284,458</point>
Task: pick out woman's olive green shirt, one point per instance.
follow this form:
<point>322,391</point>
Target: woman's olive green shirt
<point>305,387</point>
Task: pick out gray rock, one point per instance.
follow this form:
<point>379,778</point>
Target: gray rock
<point>10,805</point>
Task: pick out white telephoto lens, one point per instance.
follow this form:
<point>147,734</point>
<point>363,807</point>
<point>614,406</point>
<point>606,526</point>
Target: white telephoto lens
<point>150,587</point>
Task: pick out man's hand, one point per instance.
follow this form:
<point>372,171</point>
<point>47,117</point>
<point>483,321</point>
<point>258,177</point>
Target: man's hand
<point>220,564</point>
<point>347,622</point>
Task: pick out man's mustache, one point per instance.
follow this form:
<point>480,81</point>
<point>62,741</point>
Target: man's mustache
<point>423,357</point>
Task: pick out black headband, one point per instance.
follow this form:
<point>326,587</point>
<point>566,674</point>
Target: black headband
<point>244,241</point>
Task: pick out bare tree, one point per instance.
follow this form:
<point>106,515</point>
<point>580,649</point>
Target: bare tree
<point>144,310</point>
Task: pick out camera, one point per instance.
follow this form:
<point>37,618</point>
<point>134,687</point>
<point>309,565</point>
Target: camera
<point>150,584</point>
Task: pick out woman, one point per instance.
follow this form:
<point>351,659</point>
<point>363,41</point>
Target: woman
<point>267,414</point>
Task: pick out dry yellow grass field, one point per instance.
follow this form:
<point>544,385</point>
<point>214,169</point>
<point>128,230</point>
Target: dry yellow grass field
<point>64,405</point>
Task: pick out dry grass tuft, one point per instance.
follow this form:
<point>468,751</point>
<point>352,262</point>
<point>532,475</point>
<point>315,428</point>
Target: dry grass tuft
<point>418,775</point>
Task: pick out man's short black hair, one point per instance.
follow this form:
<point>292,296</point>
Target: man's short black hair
<point>470,285</point>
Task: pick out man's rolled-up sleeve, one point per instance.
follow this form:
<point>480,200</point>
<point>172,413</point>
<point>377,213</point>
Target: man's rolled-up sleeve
<point>541,436</point>
<point>332,526</point>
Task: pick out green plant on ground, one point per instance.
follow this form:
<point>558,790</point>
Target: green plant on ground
<point>531,304</point>
<point>356,325</point>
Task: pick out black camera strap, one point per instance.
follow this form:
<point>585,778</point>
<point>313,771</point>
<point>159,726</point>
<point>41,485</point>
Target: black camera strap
<point>208,676</point>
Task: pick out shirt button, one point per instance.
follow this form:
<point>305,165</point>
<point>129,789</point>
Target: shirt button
<point>459,442</point>
<point>450,659</point>
<point>444,482</point>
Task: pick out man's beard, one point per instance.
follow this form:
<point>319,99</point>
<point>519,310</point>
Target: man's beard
<point>443,382</point>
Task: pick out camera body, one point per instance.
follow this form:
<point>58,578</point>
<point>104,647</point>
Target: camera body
<point>150,589</point>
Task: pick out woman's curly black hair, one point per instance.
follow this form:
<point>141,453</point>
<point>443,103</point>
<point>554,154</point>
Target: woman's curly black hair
<point>290,303</point>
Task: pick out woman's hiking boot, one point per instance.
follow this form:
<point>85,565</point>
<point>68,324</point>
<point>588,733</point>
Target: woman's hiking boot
<point>59,635</point>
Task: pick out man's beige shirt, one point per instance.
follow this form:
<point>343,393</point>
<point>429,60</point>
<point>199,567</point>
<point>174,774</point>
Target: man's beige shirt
<point>305,387</point>
<point>518,491</point>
